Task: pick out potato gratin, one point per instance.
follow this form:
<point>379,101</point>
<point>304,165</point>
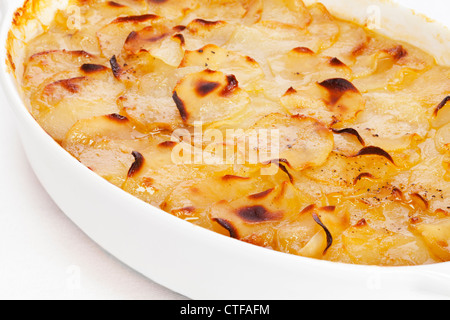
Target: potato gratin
<point>147,92</point>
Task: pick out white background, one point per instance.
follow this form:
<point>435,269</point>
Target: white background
<point>43,255</point>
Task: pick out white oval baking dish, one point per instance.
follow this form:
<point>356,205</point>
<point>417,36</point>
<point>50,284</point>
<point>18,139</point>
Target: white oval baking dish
<point>199,263</point>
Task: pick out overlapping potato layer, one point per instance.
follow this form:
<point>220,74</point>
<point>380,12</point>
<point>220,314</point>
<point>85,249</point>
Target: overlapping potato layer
<point>362,171</point>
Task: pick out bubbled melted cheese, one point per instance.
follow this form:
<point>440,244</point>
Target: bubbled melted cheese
<point>363,173</point>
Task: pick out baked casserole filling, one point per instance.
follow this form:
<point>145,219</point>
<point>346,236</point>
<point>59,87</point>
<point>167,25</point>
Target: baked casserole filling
<point>268,121</point>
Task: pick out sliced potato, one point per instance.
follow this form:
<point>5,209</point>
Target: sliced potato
<point>303,141</point>
<point>44,65</point>
<point>150,110</point>
<point>228,10</point>
<point>302,66</point>
<point>209,96</point>
<point>62,103</point>
<point>105,145</point>
<point>160,40</point>
<point>323,27</point>
<point>436,236</point>
<point>344,171</point>
<point>247,71</point>
<point>156,173</point>
<point>441,114</point>
<point>442,139</point>
<point>191,200</point>
<point>330,101</point>
<point>385,64</point>
<point>132,69</point>
<point>313,233</point>
<point>104,11</point>
<point>76,26</point>
<point>351,39</point>
<point>369,246</point>
<point>437,78</point>
<point>427,179</point>
<point>278,38</point>
<point>200,32</point>
<point>393,122</point>
<point>381,235</point>
<point>253,218</point>
<point>112,37</point>
<point>292,12</point>
<point>148,101</point>
<point>171,9</point>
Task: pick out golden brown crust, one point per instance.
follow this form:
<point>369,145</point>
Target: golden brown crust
<point>267,121</point>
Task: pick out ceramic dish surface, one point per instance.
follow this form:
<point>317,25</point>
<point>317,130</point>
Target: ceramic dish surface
<point>232,263</point>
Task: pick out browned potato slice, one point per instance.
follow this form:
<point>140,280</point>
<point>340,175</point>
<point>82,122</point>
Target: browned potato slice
<point>112,37</point>
<point>147,37</point>
<point>139,5</point>
<point>407,55</point>
<point>392,122</point>
<point>209,96</point>
<point>44,65</point>
<point>192,199</point>
<point>301,66</point>
<point>330,101</point>
<point>342,98</point>
<point>344,171</point>
<point>441,113</point>
<point>304,237</point>
<point>75,27</point>
<point>303,141</point>
<point>60,39</point>
<point>150,107</point>
<point>61,104</point>
<point>131,69</point>
<point>347,141</point>
<point>430,182</point>
<point>228,184</point>
<point>313,233</point>
<point>437,236</point>
<point>247,71</point>
<point>395,52</point>
<point>351,39</point>
<point>200,32</point>
<point>390,65</point>
<point>148,101</point>
<point>160,40</point>
<point>253,12</point>
<point>255,218</point>
<point>308,102</point>
<point>156,173</point>
<point>105,145</point>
